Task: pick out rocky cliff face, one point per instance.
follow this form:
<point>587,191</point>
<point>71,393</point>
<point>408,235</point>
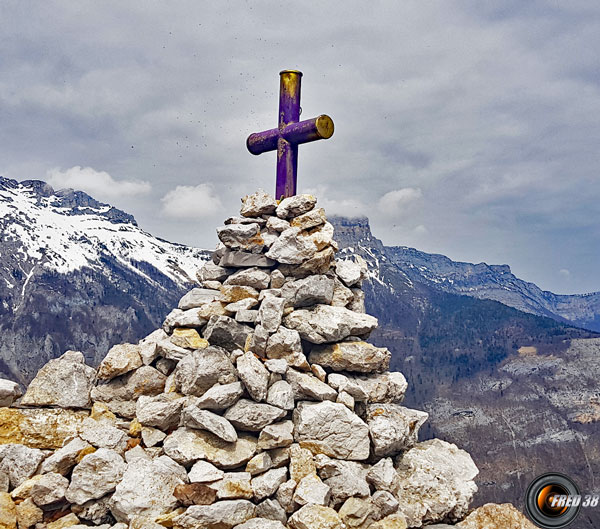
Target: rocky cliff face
<point>76,273</point>
<point>482,281</point>
<point>258,404</point>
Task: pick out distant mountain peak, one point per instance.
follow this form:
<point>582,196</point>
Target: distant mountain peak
<point>74,202</point>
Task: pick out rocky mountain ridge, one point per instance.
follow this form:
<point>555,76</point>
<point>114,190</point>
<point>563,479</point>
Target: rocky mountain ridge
<point>75,272</point>
<point>482,281</point>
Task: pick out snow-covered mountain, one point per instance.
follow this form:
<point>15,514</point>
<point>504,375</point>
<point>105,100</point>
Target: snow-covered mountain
<point>483,281</point>
<point>69,264</point>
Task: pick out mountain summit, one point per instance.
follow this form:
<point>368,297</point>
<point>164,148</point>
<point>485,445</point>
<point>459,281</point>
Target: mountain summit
<point>75,272</point>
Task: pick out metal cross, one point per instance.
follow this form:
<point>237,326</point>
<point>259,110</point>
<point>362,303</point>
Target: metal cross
<point>289,134</point>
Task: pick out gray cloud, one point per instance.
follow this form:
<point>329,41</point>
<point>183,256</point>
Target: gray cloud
<point>488,109</point>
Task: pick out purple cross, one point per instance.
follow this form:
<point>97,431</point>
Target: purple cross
<point>289,134</point>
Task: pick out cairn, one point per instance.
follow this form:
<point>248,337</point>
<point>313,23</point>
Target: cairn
<point>258,405</point>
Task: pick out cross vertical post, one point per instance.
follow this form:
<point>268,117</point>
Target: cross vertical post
<point>287,152</point>
<point>289,134</point>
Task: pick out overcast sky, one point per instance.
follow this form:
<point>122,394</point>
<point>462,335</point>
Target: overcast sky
<point>466,128</point>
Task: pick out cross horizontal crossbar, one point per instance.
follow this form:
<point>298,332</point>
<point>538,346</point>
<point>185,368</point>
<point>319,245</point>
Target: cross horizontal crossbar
<point>319,128</point>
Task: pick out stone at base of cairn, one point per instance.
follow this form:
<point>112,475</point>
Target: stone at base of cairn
<point>258,405</point>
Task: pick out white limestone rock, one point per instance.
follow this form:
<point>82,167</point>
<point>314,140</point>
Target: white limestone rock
<point>278,366</point>
<point>96,475</point>
<point>120,359</point>
<point>65,458</point>
<point>19,462</point>
<point>359,357</point>
<point>224,514</point>
<point>65,382</point>
<point>286,344</point>
<point>285,496</point>
<point>152,436</point>
<point>192,318</point>
<point>315,517</point>
<point>162,411</point>
<point>240,259</point>
<point>234,486</point>
<point>102,434</point>
<point>306,386</point>
<point>383,475</point>
<point>393,428</point>
<point>309,291</point>
<point>345,478</point>
<point>271,312</point>
<point>252,416</point>
<point>220,396</point>
<point>146,489</point>
<point>254,375</point>
<point>278,435</point>
<point>292,247</point>
<point>266,484</point>
<point>225,332</point>
<point>260,463</point>
<point>49,489</point>
<point>332,429</point>
<point>302,462</point>
<point>384,504</point>
<point>187,446</point>
<point>351,272</point>
<point>205,472</point>
<point>197,297</point>
<point>257,204</point>
<point>251,277</point>
<point>312,490</point>
<point>201,370</point>
<point>276,224</point>
<point>241,236</point>
<point>435,482</point>
<point>311,219</point>
<point>212,272</point>
<point>295,206</point>
<point>277,279</point>
<point>261,523</point>
<point>193,417</point>
<point>325,323</point>
<point>342,295</point>
<point>121,393</point>
<point>281,394</point>
<point>9,392</point>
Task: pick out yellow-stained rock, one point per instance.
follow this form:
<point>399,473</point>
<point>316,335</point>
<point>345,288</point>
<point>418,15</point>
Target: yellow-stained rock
<point>135,428</point>
<point>214,308</point>
<point>302,463</point>
<point>166,520</point>
<point>23,491</point>
<point>101,412</point>
<point>233,293</point>
<point>188,338</point>
<point>496,516</point>
<point>87,450</point>
<point>143,522</point>
<point>28,514</point>
<point>65,521</point>
<point>313,516</point>
<point>120,359</point>
<point>393,521</point>
<point>8,512</point>
<point>41,428</point>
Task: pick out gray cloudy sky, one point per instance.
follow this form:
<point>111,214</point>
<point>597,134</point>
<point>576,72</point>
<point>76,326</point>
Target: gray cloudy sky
<point>466,128</point>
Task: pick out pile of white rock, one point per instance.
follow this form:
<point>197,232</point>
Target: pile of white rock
<point>258,405</point>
